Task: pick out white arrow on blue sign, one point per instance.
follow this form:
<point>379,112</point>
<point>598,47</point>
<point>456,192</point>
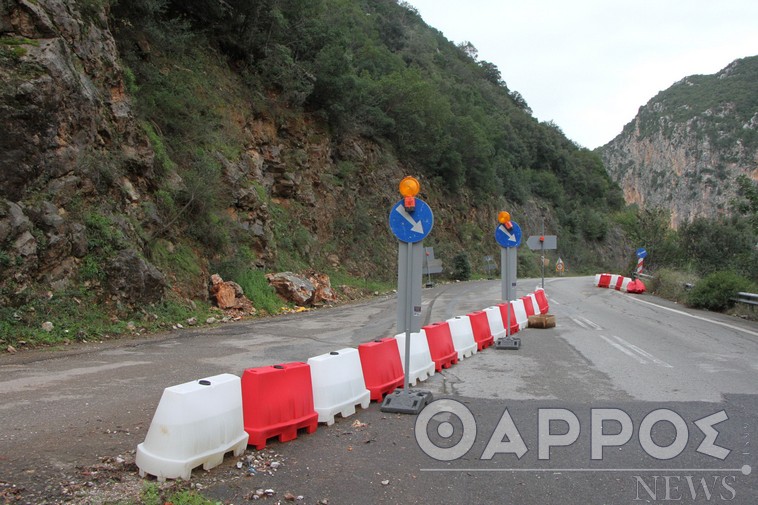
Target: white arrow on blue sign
<point>508,238</point>
<point>641,253</point>
<point>413,226</point>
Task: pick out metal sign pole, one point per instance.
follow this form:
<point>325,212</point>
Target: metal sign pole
<point>408,311</point>
<point>504,273</point>
<point>506,293</point>
<point>542,253</point>
<point>511,260</point>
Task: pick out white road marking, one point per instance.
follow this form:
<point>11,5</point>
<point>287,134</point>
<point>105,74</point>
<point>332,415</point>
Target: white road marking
<point>593,325</point>
<point>579,323</point>
<point>643,353</point>
<point>681,312</point>
<point>624,350</point>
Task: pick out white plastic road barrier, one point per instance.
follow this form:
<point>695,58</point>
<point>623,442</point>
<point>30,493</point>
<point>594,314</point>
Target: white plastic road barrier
<point>196,423</point>
<point>495,318</point>
<point>421,357</point>
<point>520,311</point>
<point>535,303</point>
<point>624,284</point>
<point>614,280</point>
<point>338,385</point>
<point>463,336</point>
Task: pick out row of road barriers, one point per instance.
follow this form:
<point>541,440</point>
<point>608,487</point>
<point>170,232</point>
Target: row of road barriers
<point>198,422</point>
<point>619,283</point>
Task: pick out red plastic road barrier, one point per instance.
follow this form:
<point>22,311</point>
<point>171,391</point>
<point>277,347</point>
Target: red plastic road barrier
<point>514,323</point>
<point>277,401</point>
<point>619,283</point>
<point>382,368</point>
<point>604,281</point>
<point>636,286</point>
<point>528,305</point>
<point>481,328</point>
<point>542,301</point>
<point>441,345</point>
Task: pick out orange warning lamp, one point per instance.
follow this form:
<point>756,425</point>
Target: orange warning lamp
<point>505,219</point>
<point>409,188</point>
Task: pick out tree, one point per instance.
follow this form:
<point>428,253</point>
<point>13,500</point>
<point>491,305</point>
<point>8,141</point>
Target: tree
<point>469,50</point>
<point>747,204</point>
<point>714,245</point>
<point>492,73</point>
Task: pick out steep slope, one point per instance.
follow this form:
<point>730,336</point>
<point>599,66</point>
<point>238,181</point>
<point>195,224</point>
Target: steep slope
<point>687,145</point>
<point>148,144</point>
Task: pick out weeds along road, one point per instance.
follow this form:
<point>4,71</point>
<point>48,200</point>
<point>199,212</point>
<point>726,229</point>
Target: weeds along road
<point>645,361</point>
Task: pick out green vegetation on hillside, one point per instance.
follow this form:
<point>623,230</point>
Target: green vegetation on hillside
<point>371,69</point>
<point>721,104</point>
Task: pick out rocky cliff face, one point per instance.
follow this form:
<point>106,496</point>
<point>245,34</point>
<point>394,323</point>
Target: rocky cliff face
<point>81,187</point>
<point>65,121</point>
<point>687,146</point>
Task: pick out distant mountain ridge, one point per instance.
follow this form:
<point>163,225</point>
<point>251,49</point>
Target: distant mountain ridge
<point>686,147</point>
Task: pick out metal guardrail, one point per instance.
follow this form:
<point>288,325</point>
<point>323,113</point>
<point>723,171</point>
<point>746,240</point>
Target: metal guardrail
<point>749,298</point>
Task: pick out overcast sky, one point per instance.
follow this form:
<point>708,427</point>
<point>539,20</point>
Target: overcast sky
<point>588,65</point>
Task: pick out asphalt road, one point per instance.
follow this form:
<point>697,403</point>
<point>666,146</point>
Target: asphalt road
<point>656,366</point>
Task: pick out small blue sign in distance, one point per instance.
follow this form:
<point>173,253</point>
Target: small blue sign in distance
<point>641,253</point>
<point>411,227</point>
<point>508,238</point>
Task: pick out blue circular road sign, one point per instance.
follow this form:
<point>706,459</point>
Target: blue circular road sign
<point>508,238</point>
<point>413,226</point>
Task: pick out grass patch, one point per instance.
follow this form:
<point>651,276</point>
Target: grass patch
<point>165,162</point>
<point>257,289</point>
<point>178,259</point>
<point>153,495</point>
<point>13,47</point>
<point>78,315</point>
<point>293,240</point>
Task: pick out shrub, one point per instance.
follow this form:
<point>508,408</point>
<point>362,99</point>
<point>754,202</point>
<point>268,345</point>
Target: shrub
<point>461,267</point>
<point>715,292</point>
<point>672,284</point>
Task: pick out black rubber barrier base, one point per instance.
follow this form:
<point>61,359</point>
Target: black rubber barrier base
<point>508,343</point>
<point>406,402</point>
